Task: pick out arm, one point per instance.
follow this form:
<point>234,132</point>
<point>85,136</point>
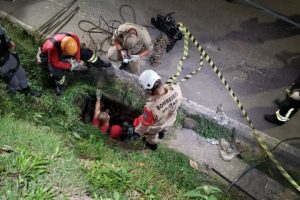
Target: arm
<point>119,47</point>
<point>97,111</point>
<point>144,53</point>
<point>55,62</point>
<point>97,108</point>
<point>144,122</point>
<point>5,39</point>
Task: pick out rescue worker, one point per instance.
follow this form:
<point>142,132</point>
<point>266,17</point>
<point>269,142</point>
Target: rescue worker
<point>62,53</point>
<point>160,110</point>
<point>288,107</point>
<point>11,71</point>
<point>102,120</point>
<point>132,43</point>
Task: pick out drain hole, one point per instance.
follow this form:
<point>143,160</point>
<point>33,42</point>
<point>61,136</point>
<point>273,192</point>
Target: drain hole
<point>119,114</point>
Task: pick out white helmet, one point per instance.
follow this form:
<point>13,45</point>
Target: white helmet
<point>148,78</point>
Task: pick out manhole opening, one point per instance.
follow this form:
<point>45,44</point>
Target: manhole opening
<point>119,113</point>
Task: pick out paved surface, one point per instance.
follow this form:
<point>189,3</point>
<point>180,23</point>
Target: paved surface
<point>258,55</point>
<point>196,147</point>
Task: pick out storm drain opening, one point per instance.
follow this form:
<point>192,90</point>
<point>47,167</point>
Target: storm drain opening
<point>120,115</point>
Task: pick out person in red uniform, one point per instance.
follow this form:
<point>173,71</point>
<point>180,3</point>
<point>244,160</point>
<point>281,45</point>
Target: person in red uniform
<point>102,120</point>
<point>62,53</point>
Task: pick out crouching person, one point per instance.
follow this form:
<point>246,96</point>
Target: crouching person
<point>62,53</point>
<point>102,120</point>
<point>132,43</point>
<point>160,110</point>
<point>11,71</point>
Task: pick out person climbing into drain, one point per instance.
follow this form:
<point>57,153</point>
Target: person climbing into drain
<point>62,54</point>
<point>101,119</point>
<point>160,110</point>
<point>132,43</point>
<point>11,71</point>
<point>288,107</point>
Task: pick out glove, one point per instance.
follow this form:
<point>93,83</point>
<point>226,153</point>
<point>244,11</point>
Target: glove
<point>135,58</point>
<point>295,95</point>
<point>98,93</point>
<point>74,65</point>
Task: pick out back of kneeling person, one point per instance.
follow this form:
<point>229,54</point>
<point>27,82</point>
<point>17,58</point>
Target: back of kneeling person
<point>103,122</point>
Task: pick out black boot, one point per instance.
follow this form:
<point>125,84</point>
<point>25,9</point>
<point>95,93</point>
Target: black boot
<point>161,134</point>
<point>153,147</point>
<point>59,90</point>
<point>29,92</point>
<point>273,119</point>
<point>101,63</point>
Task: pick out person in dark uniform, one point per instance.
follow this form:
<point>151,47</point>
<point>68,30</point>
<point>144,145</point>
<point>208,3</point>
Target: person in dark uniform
<point>11,71</point>
<point>288,107</point>
<point>62,53</point>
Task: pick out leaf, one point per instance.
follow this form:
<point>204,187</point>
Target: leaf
<point>195,193</point>
<point>194,164</point>
<point>76,135</point>
<point>208,189</point>
<point>116,195</point>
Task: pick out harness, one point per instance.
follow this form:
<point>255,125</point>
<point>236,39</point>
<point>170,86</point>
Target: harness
<point>44,56</point>
<point>55,42</point>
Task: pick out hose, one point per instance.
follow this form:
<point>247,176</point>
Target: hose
<point>104,28</point>
<point>259,162</point>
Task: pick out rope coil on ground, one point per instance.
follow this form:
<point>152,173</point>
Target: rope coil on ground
<point>159,49</point>
<point>203,54</point>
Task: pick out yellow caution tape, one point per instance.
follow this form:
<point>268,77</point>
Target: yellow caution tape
<point>188,36</point>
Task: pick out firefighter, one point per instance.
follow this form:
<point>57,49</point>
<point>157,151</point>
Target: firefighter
<point>288,107</point>
<point>62,53</point>
<point>102,120</point>
<point>11,71</point>
<point>132,43</point>
<point>160,110</point>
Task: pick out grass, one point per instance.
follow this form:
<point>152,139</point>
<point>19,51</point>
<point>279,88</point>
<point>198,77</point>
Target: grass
<point>206,127</point>
<point>40,165</point>
<point>48,162</point>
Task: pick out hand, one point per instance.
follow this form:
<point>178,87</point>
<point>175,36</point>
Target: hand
<point>12,45</point>
<point>135,57</point>
<point>295,95</point>
<point>124,54</point>
<point>74,65</point>
<point>98,93</point>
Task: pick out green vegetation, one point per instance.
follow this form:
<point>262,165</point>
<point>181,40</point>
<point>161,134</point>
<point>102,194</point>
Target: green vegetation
<point>48,162</point>
<point>206,127</point>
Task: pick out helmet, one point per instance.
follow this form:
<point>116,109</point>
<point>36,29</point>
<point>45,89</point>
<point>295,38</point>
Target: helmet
<point>148,78</point>
<point>69,46</point>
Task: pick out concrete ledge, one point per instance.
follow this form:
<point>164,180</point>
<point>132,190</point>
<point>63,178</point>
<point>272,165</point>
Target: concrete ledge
<point>242,131</point>
<point>16,21</point>
<point>259,185</point>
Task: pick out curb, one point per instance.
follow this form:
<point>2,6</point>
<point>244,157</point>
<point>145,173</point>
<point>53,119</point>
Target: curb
<point>242,131</point>
<point>16,21</point>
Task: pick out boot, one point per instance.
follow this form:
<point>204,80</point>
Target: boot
<point>272,119</point>
<point>59,90</point>
<point>29,92</point>
<point>153,147</point>
<point>101,63</point>
<point>161,134</point>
